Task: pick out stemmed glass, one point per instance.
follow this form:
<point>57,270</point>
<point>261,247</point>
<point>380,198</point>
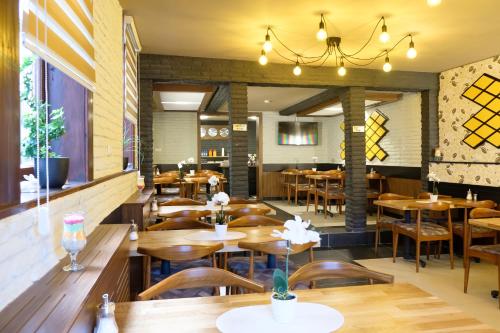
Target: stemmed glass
<point>73,239</point>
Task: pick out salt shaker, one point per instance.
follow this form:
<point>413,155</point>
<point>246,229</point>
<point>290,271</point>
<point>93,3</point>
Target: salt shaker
<point>154,205</point>
<point>475,196</point>
<point>133,231</point>
<point>469,195</point>
<point>106,322</point>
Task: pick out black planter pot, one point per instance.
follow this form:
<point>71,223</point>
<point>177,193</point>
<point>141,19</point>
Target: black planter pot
<point>125,163</point>
<point>58,172</point>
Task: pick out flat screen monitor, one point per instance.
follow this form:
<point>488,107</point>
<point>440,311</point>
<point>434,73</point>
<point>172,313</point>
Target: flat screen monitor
<point>297,133</point>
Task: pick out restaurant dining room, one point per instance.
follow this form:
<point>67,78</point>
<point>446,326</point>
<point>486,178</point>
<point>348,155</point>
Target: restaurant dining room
<point>249,166</point>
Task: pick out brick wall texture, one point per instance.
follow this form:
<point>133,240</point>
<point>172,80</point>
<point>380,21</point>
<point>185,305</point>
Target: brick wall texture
<point>25,254</point>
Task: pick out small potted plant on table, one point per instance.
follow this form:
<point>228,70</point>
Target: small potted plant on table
<point>283,302</point>
<point>221,199</point>
<point>435,180</point>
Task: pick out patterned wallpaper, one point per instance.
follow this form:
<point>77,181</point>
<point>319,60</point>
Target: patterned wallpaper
<point>454,111</point>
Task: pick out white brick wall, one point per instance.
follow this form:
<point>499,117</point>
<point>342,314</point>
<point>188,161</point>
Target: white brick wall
<point>174,137</point>
<point>25,254</point>
<point>108,97</point>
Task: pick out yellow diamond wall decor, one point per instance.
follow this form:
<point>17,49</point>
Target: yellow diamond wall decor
<point>374,132</point>
<point>484,126</point>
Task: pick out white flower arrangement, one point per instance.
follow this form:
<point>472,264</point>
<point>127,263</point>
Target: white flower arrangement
<point>190,160</point>
<point>213,181</point>
<point>221,199</point>
<point>315,159</point>
<point>434,179</point>
<point>181,164</point>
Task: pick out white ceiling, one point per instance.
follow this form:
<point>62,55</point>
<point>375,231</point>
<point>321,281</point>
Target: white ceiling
<point>455,33</point>
<point>336,109</point>
<point>279,97</point>
<point>181,101</point>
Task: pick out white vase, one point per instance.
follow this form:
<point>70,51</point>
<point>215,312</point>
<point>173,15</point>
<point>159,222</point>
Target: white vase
<point>284,310</point>
<point>221,230</point>
<point>314,169</point>
<point>434,197</point>
<point>191,172</point>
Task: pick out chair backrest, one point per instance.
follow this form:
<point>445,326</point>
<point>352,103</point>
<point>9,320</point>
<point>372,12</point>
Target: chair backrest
<point>393,196</point>
<point>189,213</point>
<point>180,252</point>
<point>325,270</point>
<point>247,211</point>
<point>427,195</point>
<point>478,213</point>
<point>238,200</point>
<point>164,179</point>
<point>374,175</point>
<point>182,202</point>
<point>277,247</point>
<point>197,278</point>
<point>432,206</point>
<point>254,221</point>
<point>179,223</point>
<point>485,204</point>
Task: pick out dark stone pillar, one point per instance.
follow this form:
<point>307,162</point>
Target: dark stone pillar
<point>238,148</point>
<point>146,130</point>
<point>430,131</point>
<point>353,104</point>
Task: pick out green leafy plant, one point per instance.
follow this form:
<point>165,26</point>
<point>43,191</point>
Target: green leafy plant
<point>55,127</point>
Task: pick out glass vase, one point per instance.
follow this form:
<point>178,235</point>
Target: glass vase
<point>73,239</point>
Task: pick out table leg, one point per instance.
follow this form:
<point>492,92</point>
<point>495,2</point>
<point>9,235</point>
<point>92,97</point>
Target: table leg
<point>271,261</point>
<point>165,267</point>
<point>406,243</point>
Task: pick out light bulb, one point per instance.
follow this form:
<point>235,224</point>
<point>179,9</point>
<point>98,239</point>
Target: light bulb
<point>341,71</point>
<point>297,70</point>
<point>433,3</point>
<point>321,34</point>
<point>268,46</point>
<point>387,65</point>
<point>411,53</point>
<point>384,35</point>
<point>263,58</point>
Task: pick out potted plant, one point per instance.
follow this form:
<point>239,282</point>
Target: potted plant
<point>190,163</point>
<point>180,165</point>
<point>221,199</point>
<point>58,165</point>
<point>213,181</point>
<point>434,179</point>
<point>283,302</point>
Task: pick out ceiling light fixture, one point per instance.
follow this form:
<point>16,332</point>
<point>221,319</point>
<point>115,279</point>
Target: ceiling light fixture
<point>334,49</point>
<point>267,101</point>
<point>203,117</point>
<point>387,65</point>
<point>433,3</point>
<point>181,103</point>
<point>263,58</point>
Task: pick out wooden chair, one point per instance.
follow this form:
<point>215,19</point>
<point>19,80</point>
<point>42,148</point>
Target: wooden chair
<point>489,253</point>
<point>287,177</point>
<point>332,190</point>
<point>476,232</point>
<point>166,180</point>
<point>239,212</point>
<point>373,193</point>
<point>384,221</point>
<point>425,231</point>
<point>182,202</point>
<point>238,200</point>
<point>315,184</point>
<point>299,185</point>
<point>194,214</point>
<point>327,270</point>
<point>179,223</point>
<point>200,277</point>
<point>243,266</point>
<point>178,253</point>
<point>254,221</point>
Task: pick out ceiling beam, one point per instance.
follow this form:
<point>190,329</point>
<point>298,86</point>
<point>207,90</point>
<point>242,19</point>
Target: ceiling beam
<point>314,103</point>
<point>383,96</point>
<point>220,96</point>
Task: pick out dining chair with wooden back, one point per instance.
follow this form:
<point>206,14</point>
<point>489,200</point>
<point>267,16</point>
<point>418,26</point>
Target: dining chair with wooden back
<point>300,184</point>
<point>182,202</point>
<point>239,212</point>
<point>188,256</point>
<point>238,200</point>
<point>179,223</point>
<point>476,232</point>
<point>254,221</point>
<point>425,231</point>
<point>316,182</point>
<point>256,268</point>
<point>202,277</point>
<point>385,222</point>
<point>194,214</point>
<point>489,253</point>
<point>287,177</point>
<point>372,193</point>
<point>166,180</point>
<point>331,270</point>
<point>333,189</point>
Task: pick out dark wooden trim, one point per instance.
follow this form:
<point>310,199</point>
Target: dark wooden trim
<point>9,103</point>
<point>314,103</point>
<point>18,208</point>
<point>220,97</point>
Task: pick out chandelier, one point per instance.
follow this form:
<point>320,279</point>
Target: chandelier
<point>334,49</point>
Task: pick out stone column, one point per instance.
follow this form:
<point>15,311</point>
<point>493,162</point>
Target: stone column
<point>146,130</point>
<point>353,104</point>
<point>430,132</point>
<point>238,148</point>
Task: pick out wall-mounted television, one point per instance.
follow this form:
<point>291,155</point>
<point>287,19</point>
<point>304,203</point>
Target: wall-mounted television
<point>297,133</point>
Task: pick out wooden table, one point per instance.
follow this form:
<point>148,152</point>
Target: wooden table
<point>406,207</point>
<point>165,210</point>
<point>372,308</point>
<point>490,223</point>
